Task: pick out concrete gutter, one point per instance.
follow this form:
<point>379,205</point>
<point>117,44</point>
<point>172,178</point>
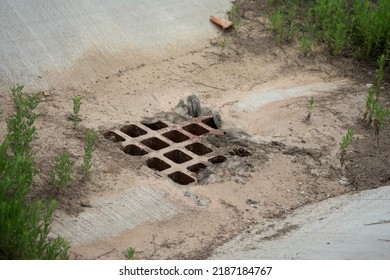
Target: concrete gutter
<point>41,41</point>
<point>351,227</point>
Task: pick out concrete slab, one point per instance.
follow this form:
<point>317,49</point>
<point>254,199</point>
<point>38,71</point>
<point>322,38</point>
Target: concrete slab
<point>41,40</point>
<point>354,226</point>
<point>110,216</point>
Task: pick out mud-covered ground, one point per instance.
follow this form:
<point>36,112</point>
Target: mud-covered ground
<point>293,160</point>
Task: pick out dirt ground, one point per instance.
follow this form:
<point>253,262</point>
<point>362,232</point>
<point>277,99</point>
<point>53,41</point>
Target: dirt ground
<point>293,161</point>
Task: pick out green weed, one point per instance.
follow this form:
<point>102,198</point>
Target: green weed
<point>379,118</point>
<point>24,224</point>
<point>305,46</point>
<point>88,152</point>
<point>344,145</point>
<point>234,17</point>
<point>129,253</point>
<point>310,105</point>
<point>358,26</point>
<point>223,44</point>
<point>75,117</point>
<point>61,175</point>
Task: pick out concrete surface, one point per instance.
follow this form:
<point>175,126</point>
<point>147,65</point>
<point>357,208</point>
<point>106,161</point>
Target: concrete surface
<point>110,216</point>
<point>353,226</point>
<point>263,95</point>
<point>40,41</point>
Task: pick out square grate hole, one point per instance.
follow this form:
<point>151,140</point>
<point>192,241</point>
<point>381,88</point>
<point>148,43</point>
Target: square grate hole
<point>155,143</point>
<point>210,122</point>
<point>175,136</point>
<point>134,150</point>
<point>112,136</point>
<point>157,164</point>
<point>199,149</point>
<point>195,129</point>
<point>178,156</point>
<point>217,159</point>
<point>156,125</point>
<point>197,167</point>
<point>133,131</point>
<point>181,178</point>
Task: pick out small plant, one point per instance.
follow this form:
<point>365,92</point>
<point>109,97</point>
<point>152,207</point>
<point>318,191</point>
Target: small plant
<point>310,106</point>
<point>277,25</point>
<point>344,145</point>
<point>88,151</point>
<point>24,224</point>
<point>75,117</point>
<point>379,118</point>
<point>305,46</point>
<point>234,17</point>
<point>223,44</point>
<point>381,63</point>
<point>370,101</point>
<point>129,253</point>
<point>61,175</point>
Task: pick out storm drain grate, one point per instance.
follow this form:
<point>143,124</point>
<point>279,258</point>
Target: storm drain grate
<point>171,149</point>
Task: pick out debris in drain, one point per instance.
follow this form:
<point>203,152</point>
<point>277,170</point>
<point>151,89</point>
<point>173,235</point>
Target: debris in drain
<point>231,169</point>
<point>221,22</point>
<point>240,152</point>
<point>154,125</point>
<point>187,154</point>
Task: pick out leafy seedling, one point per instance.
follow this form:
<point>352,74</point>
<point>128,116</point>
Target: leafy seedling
<point>234,17</point>
<point>88,152</point>
<point>344,145</point>
<point>75,117</point>
<point>310,105</point>
<point>61,175</point>
<point>129,253</point>
<point>223,44</point>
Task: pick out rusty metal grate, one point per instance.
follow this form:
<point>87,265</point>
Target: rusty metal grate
<point>171,149</point>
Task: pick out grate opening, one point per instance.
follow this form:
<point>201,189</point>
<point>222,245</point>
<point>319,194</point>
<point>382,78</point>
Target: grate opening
<point>175,136</point>
<point>217,159</point>
<point>199,149</point>
<point>154,143</point>
<point>156,125</point>
<point>181,178</point>
<point>112,136</point>
<point>195,129</point>
<point>197,167</point>
<point>157,164</point>
<point>134,150</point>
<point>210,122</point>
<point>177,156</point>
<point>133,131</point>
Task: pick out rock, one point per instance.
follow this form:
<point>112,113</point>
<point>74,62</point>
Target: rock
<point>217,119</point>
<point>343,181</point>
<point>315,172</point>
<point>193,104</point>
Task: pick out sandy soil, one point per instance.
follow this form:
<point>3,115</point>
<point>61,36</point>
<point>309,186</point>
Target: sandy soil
<point>294,161</point>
